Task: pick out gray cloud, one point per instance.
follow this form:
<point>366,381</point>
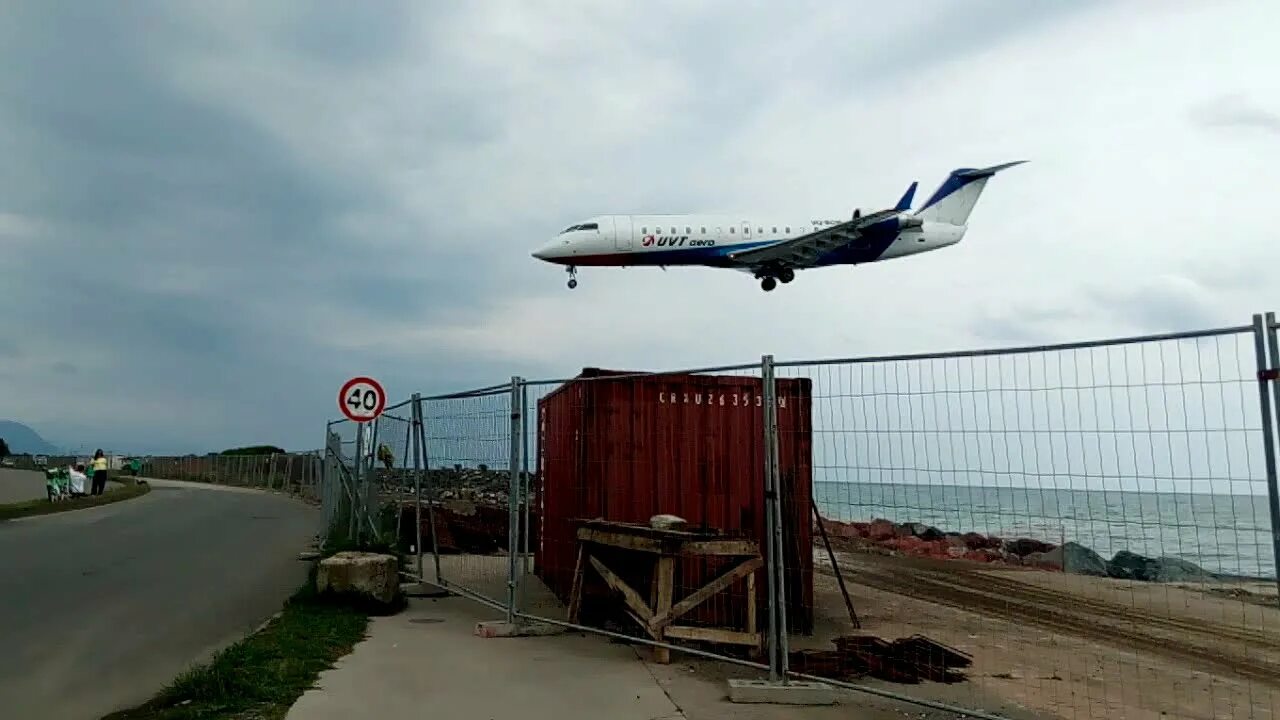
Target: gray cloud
<point>1238,112</point>
<point>213,214</point>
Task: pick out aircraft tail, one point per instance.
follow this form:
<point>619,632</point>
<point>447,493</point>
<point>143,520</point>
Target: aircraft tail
<point>954,199</point>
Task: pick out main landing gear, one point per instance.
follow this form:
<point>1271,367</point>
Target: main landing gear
<point>769,282</point>
<point>573,276</point>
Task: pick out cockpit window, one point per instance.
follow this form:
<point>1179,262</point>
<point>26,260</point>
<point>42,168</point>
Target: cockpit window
<point>584,226</point>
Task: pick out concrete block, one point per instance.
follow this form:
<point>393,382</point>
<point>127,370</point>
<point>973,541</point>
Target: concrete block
<point>371,575</point>
<point>795,692</point>
<point>520,628</point>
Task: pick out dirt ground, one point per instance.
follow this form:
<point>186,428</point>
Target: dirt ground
<point>1065,646</point>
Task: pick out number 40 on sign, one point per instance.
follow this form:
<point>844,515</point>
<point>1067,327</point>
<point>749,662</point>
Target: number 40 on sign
<point>362,399</point>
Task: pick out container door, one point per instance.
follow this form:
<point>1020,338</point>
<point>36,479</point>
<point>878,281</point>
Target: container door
<point>622,228</point>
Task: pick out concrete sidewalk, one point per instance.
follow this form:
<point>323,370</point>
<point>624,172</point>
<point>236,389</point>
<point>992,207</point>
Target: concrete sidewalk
<point>428,662</point>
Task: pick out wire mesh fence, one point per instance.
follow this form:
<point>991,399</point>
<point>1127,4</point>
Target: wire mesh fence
<point>467,442</point>
<point>1077,531</point>
<point>297,473</point>
<point>1087,526</point>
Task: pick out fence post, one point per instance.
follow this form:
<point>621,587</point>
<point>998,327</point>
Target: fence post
<point>426,469</point>
<point>513,492</point>
<point>1267,373</point>
<point>773,527</point>
<point>415,426</point>
<point>525,553</point>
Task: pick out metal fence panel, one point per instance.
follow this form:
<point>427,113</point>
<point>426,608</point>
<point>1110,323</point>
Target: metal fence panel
<point>1087,524</point>
<point>467,448</point>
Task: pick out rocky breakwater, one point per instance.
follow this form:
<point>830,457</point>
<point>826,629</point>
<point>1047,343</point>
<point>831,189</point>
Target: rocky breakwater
<point>470,507</point>
<point>920,540</point>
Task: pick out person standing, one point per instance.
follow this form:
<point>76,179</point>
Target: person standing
<point>99,466</point>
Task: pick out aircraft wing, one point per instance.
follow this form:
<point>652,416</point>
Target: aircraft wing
<point>804,250</point>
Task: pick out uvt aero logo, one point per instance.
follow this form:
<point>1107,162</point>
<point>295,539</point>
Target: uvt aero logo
<point>673,241</point>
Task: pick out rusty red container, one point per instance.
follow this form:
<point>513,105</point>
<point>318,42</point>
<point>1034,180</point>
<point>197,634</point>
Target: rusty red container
<point>627,446</point>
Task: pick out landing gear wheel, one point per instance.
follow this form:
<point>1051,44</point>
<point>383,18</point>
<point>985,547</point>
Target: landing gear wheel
<point>768,284</point>
<point>573,276</point>
<point>572,283</point>
<point>787,275</point>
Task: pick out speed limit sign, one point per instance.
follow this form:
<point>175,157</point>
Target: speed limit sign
<point>362,399</point>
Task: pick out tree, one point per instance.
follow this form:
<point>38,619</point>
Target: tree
<point>254,450</point>
<point>4,448</point>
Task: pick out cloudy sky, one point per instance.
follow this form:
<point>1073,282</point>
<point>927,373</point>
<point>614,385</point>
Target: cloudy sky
<point>211,214</point>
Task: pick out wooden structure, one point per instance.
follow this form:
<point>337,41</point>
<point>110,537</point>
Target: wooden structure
<point>658,614</point>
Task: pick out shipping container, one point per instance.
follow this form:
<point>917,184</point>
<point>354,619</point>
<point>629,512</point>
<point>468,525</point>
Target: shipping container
<point>627,446</point>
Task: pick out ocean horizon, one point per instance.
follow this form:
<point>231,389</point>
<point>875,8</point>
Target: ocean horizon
<point>1223,533</point>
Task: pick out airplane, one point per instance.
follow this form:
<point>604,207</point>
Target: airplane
<point>772,249</point>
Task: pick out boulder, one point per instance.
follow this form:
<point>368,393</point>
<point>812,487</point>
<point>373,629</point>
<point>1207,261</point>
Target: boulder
<point>1026,546</point>
<point>924,532</point>
<point>1071,557</point>
<point>881,530</point>
<point>1178,570</point>
<point>368,575</point>
<point>975,541</point>
<point>1132,566</point>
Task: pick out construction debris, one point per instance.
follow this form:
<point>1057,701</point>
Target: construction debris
<point>905,660</point>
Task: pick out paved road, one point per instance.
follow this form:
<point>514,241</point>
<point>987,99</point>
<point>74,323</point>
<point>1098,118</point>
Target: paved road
<point>100,608</point>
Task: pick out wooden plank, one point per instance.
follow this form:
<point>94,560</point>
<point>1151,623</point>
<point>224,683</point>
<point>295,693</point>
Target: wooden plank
<point>705,592</point>
<point>721,547</point>
<point>620,540</point>
<point>632,599</point>
<point>575,596</point>
<point>714,635</point>
<point>666,578</point>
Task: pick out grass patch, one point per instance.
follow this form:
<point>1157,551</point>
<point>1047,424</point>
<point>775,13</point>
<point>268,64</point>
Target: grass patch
<point>42,506</point>
<point>260,677</point>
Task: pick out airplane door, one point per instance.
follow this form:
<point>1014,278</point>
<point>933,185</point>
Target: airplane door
<point>746,230</point>
<point>622,230</point>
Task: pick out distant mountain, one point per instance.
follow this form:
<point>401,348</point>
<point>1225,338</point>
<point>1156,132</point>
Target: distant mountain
<point>22,439</point>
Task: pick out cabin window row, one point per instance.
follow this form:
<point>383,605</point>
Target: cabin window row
<point>689,230</point>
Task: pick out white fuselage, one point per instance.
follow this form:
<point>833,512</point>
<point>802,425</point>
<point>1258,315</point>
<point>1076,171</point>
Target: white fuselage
<point>623,240</point>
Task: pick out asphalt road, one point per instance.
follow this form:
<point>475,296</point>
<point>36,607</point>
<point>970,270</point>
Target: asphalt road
<point>101,608</point>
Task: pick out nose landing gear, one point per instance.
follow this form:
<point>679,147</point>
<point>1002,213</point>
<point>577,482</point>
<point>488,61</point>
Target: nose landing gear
<point>573,276</point>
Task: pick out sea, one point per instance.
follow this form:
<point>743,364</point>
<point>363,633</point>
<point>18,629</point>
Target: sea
<point>1228,534</point>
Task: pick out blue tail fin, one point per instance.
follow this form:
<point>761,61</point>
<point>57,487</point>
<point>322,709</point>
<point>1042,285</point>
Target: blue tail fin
<point>905,203</point>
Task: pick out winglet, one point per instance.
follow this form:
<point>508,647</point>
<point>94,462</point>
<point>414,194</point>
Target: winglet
<point>905,203</point>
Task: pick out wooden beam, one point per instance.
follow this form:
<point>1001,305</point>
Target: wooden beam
<point>721,547</point>
<point>714,635</point>
<point>620,540</point>
<point>705,592</point>
<point>666,572</point>
<point>575,596</point>
<point>633,600</point>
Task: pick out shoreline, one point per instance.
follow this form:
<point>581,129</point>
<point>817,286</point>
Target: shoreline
<point>920,540</point>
